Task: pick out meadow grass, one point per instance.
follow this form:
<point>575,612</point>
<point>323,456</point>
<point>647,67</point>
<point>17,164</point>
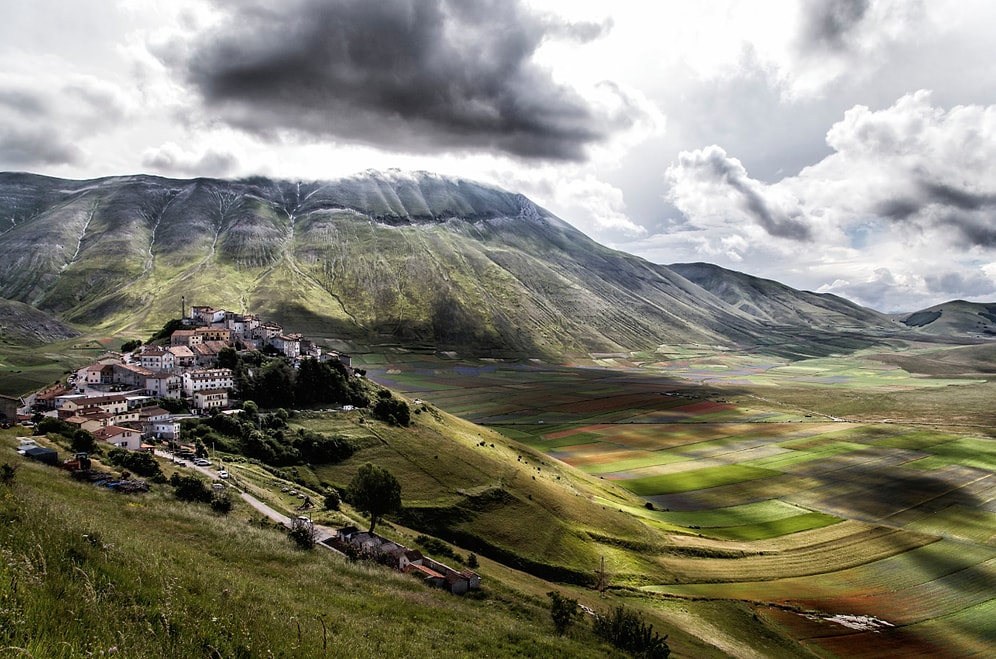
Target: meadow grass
<point>698,479</point>
<point>87,570</point>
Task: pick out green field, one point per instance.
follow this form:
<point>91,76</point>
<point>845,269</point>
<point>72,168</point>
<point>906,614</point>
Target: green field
<point>764,462</point>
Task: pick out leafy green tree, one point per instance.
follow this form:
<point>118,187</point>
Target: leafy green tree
<point>332,500</point>
<point>138,462</point>
<point>228,358</point>
<point>275,385</point>
<point>131,346</point>
<point>392,410</point>
<point>83,441</point>
<point>563,610</point>
<point>375,491</point>
<point>167,330</point>
<point>173,405</point>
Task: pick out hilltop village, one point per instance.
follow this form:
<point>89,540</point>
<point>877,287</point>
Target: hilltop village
<point>115,397</point>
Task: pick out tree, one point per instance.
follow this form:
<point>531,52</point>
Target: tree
<point>563,610</point>
<point>190,488</point>
<point>131,346</point>
<point>331,500</point>
<point>83,441</point>
<point>375,491</point>
<point>228,358</point>
<point>627,631</point>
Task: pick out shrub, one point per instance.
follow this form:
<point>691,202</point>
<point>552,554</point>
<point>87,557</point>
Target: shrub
<point>332,500</point>
<point>7,474</point>
<point>303,536</point>
<point>563,610</point>
<point>627,631</point>
<point>190,488</point>
<point>139,462</point>
<point>221,503</point>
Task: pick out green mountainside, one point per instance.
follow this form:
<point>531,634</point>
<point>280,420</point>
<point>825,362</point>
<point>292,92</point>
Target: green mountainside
<point>956,318</point>
<point>777,304</point>
<point>375,258</point>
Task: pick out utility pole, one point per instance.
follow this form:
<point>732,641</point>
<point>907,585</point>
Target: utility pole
<point>602,584</point>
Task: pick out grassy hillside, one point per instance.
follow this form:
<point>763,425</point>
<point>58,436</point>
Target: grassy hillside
<point>376,258</point>
<point>775,303</point>
<point>956,318</point>
<point>79,576</point>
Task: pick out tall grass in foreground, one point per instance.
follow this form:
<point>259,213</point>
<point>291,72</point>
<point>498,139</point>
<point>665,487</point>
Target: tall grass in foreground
<point>87,571</point>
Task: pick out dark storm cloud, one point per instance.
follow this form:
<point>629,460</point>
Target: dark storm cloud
<point>774,222</point>
<point>172,161</point>
<point>947,195</point>
<point>957,285</point>
<point>30,133</point>
<point>827,24</point>
<point>968,213</point>
<point>29,147</point>
<point>414,75</point>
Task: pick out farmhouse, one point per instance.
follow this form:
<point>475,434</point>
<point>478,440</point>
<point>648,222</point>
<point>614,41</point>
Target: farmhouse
<point>183,356</point>
<point>131,376</point>
<point>185,338</point>
<point>164,385</point>
<point>407,560</point>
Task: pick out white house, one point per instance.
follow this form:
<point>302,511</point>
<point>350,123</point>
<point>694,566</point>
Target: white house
<point>120,437</point>
<point>210,398</point>
<point>158,359</point>
<point>164,385</point>
<point>205,379</point>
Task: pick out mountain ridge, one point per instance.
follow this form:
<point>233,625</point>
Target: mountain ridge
<point>377,257</point>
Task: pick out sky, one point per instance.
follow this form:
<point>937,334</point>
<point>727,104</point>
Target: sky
<point>839,146</point>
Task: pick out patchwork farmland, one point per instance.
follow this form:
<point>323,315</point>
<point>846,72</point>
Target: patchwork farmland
<point>857,537</point>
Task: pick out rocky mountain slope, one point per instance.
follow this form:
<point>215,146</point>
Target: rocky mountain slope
<point>378,257</point>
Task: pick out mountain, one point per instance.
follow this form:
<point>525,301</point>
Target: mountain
<point>956,318</point>
<point>23,324</point>
<point>777,304</point>
<point>379,257</point>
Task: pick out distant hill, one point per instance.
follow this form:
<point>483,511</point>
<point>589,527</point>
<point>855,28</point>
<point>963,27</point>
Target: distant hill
<point>381,257</point>
<point>771,302</point>
<point>23,324</point>
<point>956,318</point>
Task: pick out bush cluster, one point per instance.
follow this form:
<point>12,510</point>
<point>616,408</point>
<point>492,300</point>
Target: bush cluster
<point>390,409</point>
<point>626,630</point>
<point>268,438</point>
<point>137,462</point>
<point>272,382</point>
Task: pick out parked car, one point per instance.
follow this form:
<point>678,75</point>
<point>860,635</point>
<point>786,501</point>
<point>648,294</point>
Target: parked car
<point>222,474</point>
<point>201,462</point>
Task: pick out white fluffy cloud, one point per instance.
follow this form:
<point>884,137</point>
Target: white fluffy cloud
<point>904,185</point>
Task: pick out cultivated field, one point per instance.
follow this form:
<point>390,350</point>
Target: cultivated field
<point>851,500</point>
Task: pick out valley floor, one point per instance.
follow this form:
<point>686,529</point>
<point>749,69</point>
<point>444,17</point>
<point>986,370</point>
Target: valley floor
<point>850,502</point>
